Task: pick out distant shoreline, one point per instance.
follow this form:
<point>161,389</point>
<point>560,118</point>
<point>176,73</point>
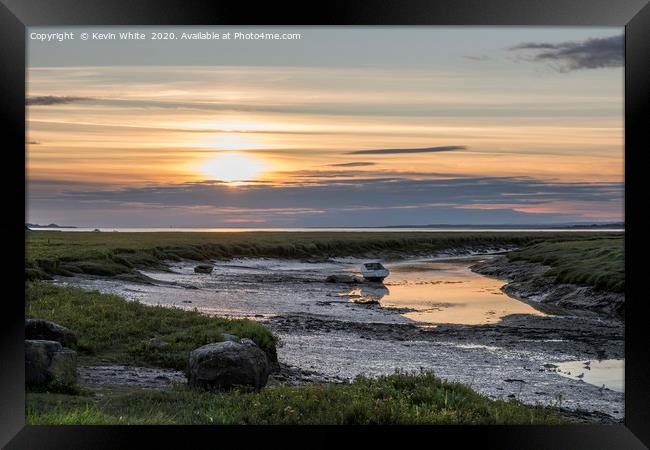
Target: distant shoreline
<point>585,226</point>
<point>50,226</point>
<point>456,229</point>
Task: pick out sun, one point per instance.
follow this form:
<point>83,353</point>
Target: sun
<point>233,168</point>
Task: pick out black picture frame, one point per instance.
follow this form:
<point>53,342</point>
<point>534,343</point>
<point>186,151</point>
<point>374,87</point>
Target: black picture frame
<point>15,15</point>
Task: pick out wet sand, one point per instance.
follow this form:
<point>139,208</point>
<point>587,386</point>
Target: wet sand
<point>433,314</point>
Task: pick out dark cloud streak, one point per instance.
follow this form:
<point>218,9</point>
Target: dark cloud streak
<point>593,53</point>
<point>395,151</point>
<point>53,100</point>
<point>354,164</point>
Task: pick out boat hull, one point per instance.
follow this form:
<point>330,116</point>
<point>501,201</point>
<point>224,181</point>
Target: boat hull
<point>374,273</point>
<point>371,278</point>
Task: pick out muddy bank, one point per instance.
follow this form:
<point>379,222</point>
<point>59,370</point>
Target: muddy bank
<point>121,375</point>
<point>564,336</point>
<point>530,282</point>
<point>159,378</point>
<point>516,360</point>
<point>327,337</point>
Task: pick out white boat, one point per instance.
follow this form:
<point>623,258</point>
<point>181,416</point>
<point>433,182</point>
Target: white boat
<point>374,271</point>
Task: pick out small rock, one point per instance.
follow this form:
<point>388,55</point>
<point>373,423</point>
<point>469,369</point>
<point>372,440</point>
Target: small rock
<point>155,342</point>
<point>49,363</point>
<point>41,329</point>
<point>203,268</point>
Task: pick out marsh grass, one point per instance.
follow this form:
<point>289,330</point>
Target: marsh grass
<point>117,254</point>
<point>400,398</point>
<point>113,329</point>
<point>598,262</point>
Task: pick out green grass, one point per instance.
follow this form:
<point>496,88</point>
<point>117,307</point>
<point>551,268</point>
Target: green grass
<point>114,254</point>
<point>394,399</point>
<point>598,262</point>
<point>112,329</point>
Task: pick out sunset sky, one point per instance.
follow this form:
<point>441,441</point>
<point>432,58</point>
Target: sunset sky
<point>363,126</point>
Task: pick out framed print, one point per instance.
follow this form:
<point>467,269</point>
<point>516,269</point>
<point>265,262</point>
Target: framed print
<point>412,215</point>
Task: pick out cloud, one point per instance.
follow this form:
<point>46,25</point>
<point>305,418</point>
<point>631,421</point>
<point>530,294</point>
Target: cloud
<point>354,164</point>
<point>53,100</point>
<point>593,53</point>
<point>482,57</point>
<point>394,151</point>
<point>337,202</point>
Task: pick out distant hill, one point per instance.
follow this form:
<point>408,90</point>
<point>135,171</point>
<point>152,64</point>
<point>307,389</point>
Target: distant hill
<point>52,225</point>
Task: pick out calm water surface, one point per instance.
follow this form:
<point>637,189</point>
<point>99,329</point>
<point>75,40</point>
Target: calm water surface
<point>608,372</point>
<point>438,292</point>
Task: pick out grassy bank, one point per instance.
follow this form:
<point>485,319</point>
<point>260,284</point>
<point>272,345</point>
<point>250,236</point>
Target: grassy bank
<point>116,255</point>
<point>598,261</point>
<point>394,399</point>
<point>112,329</point>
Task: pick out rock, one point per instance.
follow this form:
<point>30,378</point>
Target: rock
<point>223,365</point>
<point>346,278</point>
<point>41,329</point>
<point>203,268</point>
<point>158,343</point>
<point>48,363</point>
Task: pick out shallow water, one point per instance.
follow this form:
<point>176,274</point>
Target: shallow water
<point>448,292</point>
<point>428,292</point>
<point>609,373</point>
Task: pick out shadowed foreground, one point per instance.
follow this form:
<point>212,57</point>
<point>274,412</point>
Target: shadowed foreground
<point>393,399</point>
<point>110,329</point>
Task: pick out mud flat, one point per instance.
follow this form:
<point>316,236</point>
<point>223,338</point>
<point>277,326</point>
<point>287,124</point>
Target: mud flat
<point>505,349</point>
<point>530,282</point>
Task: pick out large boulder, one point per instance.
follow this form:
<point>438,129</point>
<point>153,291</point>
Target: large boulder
<point>346,278</point>
<point>48,363</point>
<point>223,365</point>
<point>41,329</point>
<point>203,268</point>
